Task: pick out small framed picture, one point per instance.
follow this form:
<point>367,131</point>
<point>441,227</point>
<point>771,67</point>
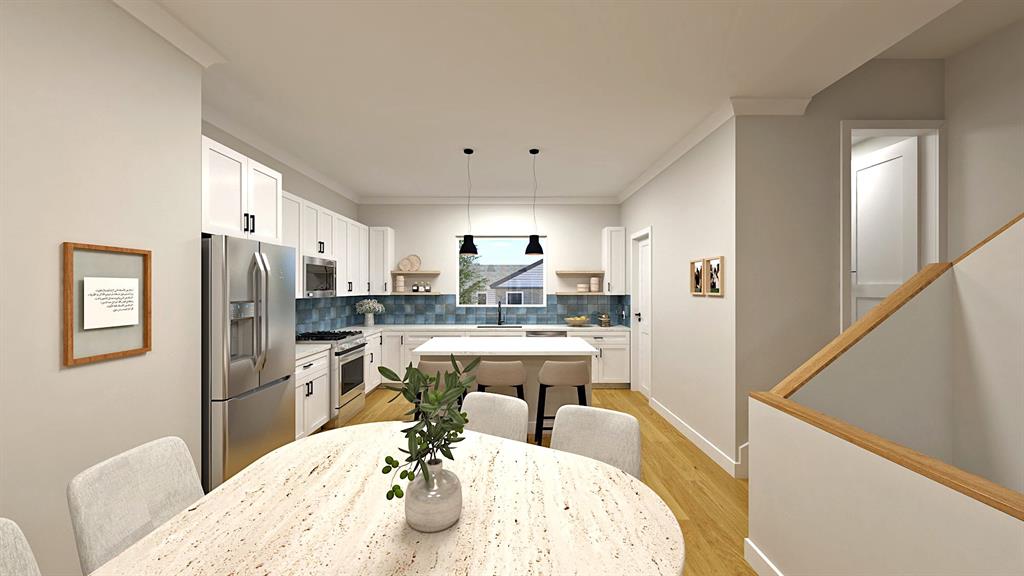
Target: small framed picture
<point>714,276</point>
<point>697,277</point>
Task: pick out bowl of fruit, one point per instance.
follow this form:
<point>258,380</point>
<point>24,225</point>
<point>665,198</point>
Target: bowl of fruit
<point>577,320</point>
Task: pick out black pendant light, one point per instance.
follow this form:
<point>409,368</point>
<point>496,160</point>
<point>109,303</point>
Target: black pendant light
<point>533,248</point>
<point>468,247</point>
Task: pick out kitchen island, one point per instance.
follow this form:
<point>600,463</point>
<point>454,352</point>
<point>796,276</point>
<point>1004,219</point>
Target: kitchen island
<point>532,352</point>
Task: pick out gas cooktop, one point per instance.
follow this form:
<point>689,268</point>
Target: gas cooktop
<point>327,335</point>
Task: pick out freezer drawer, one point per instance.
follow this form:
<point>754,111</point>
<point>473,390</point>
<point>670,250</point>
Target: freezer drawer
<point>245,428</point>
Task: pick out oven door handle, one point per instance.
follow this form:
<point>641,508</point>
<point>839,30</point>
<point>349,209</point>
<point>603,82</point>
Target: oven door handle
<point>352,355</point>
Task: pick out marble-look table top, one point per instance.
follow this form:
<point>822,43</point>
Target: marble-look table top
<point>316,507</point>
<point>505,346</point>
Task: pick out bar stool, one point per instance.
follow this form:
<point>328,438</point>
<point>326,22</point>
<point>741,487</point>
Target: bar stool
<point>511,374</point>
<point>555,374</point>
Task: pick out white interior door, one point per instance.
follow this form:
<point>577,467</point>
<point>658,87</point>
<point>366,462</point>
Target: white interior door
<point>642,321</point>
<point>884,223</point>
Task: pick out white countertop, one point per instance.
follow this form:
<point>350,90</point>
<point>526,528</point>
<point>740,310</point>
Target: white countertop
<point>505,346</point>
<point>303,350</point>
<point>316,507</point>
<point>368,330</point>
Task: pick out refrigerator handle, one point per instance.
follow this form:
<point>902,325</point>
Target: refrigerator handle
<point>260,330</point>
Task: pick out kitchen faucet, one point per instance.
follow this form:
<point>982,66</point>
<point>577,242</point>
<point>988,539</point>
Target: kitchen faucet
<point>500,320</point>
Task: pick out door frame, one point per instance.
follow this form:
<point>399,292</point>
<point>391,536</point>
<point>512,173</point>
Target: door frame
<point>886,128</point>
<point>634,340</point>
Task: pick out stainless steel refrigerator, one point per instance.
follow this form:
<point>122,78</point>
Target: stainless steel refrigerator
<point>248,353</point>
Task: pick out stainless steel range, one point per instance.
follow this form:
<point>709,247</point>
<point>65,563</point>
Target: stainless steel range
<point>347,387</point>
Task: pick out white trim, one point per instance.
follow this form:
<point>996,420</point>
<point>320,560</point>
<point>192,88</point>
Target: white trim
<point>522,297</point>
<point>488,200</point>
<point>171,29</point>
<point>769,106</point>
<point>634,338</point>
<point>220,120</point>
<point>742,465</point>
<point>887,127</point>
<point>702,130</point>
<point>714,452</point>
<point>758,560</point>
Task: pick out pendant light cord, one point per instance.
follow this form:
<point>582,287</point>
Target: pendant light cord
<point>469,193</point>
<point>534,193</point>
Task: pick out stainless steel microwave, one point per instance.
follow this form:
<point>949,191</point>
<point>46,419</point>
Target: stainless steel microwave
<point>318,277</point>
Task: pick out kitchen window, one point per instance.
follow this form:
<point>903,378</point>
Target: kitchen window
<point>501,272</point>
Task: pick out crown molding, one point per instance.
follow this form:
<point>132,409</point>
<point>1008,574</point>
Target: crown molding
<point>171,29</point>
<point>769,106</point>
<point>726,110</point>
<point>488,200</point>
<point>220,120</point>
<point>709,124</point>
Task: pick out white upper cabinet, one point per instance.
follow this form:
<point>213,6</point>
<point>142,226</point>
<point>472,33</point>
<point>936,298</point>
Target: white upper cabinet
<point>341,254</point>
<point>382,259</point>
<point>357,261</point>
<point>613,259</point>
<point>317,231</point>
<point>241,197</point>
<point>291,218</point>
<point>264,203</point>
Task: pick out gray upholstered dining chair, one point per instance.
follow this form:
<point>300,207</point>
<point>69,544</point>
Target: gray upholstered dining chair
<point>118,501</point>
<point>16,557</point>
<point>606,435</point>
<point>497,415</point>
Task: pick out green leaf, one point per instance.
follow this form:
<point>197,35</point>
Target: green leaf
<point>397,490</point>
<point>385,470</point>
<point>389,374</point>
<point>390,494</point>
<point>472,365</point>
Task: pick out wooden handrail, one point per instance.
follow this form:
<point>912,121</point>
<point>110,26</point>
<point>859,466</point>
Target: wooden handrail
<point>859,329</point>
<point>976,487</point>
<point>1004,228</point>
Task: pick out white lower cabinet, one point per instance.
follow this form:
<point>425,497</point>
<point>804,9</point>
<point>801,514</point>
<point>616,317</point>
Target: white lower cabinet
<point>372,361</point>
<point>391,352</point>
<point>312,393</point>
<point>611,365</point>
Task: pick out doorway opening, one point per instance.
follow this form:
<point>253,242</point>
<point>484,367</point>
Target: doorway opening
<point>892,208</point>
<point>641,250</point>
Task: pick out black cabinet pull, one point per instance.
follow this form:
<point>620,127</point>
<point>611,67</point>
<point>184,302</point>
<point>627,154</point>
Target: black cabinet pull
<point>381,339</point>
<point>385,286</point>
<point>245,222</point>
<point>367,286</point>
<point>371,357</point>
<point>252,223</point>
<point>349,286</point>
<point>307,365</point>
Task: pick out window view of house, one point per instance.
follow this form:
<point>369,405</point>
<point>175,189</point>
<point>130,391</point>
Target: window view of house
<point>501,272</point>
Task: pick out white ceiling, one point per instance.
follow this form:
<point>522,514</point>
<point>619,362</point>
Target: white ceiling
<point>378,99</point>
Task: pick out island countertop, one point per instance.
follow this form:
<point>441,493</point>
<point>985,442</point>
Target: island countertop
<point>506,346</point>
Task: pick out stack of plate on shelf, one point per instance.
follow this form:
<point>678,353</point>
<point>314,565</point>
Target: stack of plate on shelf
<point>583,287</point>
<point>410,263</point>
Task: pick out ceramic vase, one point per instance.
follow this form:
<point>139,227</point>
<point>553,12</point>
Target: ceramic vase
<point>368,321</point>
<point>434,505</point>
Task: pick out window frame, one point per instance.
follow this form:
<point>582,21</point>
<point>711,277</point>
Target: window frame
<point>522,298</point>
<point>544,276</point>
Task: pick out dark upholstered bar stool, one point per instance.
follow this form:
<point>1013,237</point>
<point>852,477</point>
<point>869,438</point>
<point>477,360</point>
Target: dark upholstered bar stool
<point>558,374</point>
<point>510,374</point>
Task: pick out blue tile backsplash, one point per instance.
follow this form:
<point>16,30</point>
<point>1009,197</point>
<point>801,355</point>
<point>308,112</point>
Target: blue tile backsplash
<point>336,313</point>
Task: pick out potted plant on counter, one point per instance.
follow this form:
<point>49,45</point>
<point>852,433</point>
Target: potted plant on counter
<point>433,495</point>
<point>368,308</point>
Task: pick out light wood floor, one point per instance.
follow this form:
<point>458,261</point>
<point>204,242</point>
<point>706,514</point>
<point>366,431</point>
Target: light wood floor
<point>710,505</point>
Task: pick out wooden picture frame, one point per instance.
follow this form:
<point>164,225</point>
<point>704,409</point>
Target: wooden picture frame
<point>697,279</point>
<point>105,343</point>
<point>714,276</point>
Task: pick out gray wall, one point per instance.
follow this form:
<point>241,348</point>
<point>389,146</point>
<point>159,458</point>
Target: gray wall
<point>788,220</point>
<point>100,144</point>
<point>691,210</point>
<point>293,180</point>
<point>985,129</point>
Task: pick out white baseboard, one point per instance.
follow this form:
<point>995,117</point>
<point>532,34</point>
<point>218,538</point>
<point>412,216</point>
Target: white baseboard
<point>721,458</point>
<point>741,466</point>
<point>758,561</point>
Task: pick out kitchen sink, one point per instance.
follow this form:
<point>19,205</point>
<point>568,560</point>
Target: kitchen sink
<point>499,326</point>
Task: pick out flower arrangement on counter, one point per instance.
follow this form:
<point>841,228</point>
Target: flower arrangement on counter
<point>369,306</point>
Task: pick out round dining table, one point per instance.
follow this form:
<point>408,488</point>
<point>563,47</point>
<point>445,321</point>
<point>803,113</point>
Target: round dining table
<point>317,506</point>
